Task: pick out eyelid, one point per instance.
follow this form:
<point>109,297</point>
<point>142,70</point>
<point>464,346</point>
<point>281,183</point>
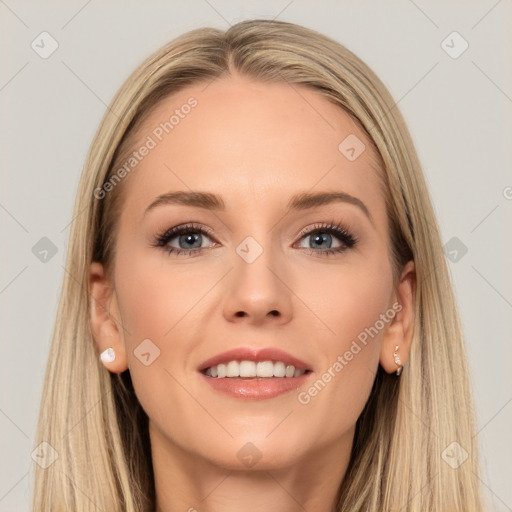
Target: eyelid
<point>180,228</point>
<point>340,230</point>
<point>332,223</point>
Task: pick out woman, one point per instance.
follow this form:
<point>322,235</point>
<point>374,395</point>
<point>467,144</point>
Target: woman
<point>256,368</point>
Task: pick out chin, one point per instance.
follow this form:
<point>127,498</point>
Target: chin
<point>256,453</point>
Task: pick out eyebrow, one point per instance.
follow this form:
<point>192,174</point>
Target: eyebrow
<point>302,201</point>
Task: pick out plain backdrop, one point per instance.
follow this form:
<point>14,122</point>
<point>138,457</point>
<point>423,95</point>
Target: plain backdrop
<point>458,107</point>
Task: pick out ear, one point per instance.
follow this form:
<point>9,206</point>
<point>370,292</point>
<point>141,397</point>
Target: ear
<point>104,318</point>
<point>400,329</point>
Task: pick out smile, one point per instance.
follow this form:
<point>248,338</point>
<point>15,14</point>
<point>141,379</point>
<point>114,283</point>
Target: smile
<point>253,369</point>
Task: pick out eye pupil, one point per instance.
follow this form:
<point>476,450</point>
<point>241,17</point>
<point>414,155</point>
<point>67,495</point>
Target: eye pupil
<point>190,238</point>
<point>320,238</point>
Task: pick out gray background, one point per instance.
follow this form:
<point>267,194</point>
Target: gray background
<point>458,110</point>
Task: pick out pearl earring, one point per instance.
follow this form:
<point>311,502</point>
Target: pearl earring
<point>107,356</point>
<point>397,362</point>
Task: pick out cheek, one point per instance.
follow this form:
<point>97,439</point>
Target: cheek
<point>153,299</point>
<point>164,303</point>
<point>158,305</point>
<point>361,297</point>
<point>351,298</point>
<point>352,306</point>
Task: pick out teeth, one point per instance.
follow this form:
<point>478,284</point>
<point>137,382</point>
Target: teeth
<point>247,369</point>
<point>290,371</point>
<point>279,369</point>
<point>221,371</point>
<point>265,369</point>
<point>252,369</point>
<point>232,369</point>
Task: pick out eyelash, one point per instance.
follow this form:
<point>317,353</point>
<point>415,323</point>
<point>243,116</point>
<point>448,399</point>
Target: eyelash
<point>348,240</point>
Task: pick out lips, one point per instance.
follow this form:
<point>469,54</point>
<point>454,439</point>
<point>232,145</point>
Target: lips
<point>256,355</point>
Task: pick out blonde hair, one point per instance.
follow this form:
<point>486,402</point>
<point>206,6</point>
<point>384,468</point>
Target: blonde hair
<point>93,419</point>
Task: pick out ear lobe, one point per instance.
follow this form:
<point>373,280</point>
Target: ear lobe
<point>400,330</point>
<point>104,319</point>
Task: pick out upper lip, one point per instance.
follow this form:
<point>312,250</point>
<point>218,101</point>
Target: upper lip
<point>255,354</point>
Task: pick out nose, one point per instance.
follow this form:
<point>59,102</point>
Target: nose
<point>257,292</point>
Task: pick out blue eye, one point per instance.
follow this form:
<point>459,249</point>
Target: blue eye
<point>186,234</point>
<point>190,237</point>
<point>323,233</point>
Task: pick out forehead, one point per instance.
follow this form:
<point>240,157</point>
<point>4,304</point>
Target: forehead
<point>254,143</point>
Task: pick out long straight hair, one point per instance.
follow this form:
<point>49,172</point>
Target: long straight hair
<point>93,419</point>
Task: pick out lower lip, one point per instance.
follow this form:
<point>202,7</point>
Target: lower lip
<point>255,388</point>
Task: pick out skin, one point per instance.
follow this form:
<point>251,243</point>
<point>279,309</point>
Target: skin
<point>256,145</point>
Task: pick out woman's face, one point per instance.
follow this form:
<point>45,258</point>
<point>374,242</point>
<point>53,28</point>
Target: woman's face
<point>250,274</point>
